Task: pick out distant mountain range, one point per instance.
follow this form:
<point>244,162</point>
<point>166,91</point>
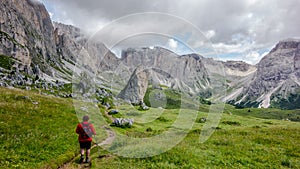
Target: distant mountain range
<point>32,45</point>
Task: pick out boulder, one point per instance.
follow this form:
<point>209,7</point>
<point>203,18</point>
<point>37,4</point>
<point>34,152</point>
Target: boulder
<point>136,87</point>
<point>113,112</point>
<point>123,122</point>
<point>143,106</point>
<point>202,120</point>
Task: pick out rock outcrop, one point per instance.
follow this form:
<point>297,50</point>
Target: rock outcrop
<point>49,50</point>
<point>35,51</point>
<point>186,73</point>
<point>69,41</point>
<point>123,122</point>
<point>229,77</point>
<point>277,81</point>
<point>26,34</point>
<point>136,87</point>
<point>73,46</point>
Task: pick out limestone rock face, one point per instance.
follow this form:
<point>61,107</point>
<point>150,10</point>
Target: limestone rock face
<point>136,87</point>
<point>26,33</point>
<point>238,68</point>
<point>273,82</point>
<point>36,46</point>
<point>228,78</point>
<point>73,46</point>
<point>69,41</point>
<point>29,36</point>
<point>186,73</point>
<point>277,77</point>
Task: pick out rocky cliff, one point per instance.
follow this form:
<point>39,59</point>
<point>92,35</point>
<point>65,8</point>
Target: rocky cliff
<point>36,46</point>
<point>36,52</point>
<point>50,50</point>
<point>55,51</point>
<point>229,78</point>
<point>277,81</point>
<point>73,46</point>
<point>33,47</point>
<point>26,34</point>
<point>186,73</point>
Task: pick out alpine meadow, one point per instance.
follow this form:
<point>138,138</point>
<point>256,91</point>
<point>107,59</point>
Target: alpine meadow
<point>149,85</point>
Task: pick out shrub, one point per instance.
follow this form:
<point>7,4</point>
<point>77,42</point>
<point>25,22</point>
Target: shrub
<point>232,123</point>
<point>6,62</point>
<point>149,129</point>
<point>162,119</point>
<point>204,101</point>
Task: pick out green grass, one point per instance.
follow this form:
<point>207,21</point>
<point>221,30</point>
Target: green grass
<point>38,135</point>
<point>270,113</point>
<point>6,62</point>
<point>273,144</point>
<point>33,135</point>
<point>42,135</point>
<point>242,140</point>
<point>170,99</point>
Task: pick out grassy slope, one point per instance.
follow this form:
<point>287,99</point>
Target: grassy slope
<point>38,131</point>
<point>44,136</point>
<point>242,141</point>
<point>33,135</point>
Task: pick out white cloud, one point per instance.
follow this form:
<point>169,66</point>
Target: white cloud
<point>51,15</point>
<point>209,34</point>
<point>252,57</point>
<point>261,19</point>
<point>232,25</point>
<point>250,15</point>
<point>241,47</point>
<point>172,44</point>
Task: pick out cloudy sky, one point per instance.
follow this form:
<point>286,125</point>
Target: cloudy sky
<point>237,29</point>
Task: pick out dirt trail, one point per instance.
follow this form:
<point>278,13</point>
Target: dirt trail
<point>110,138</point>
<point>110,133</point>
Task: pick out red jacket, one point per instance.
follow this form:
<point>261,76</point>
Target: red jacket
<point>80,131</point>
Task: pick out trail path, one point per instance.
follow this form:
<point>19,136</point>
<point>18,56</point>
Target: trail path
<point>111,136</point>
<point>110,133</point>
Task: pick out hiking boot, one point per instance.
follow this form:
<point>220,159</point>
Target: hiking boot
<point>81,159</point>
<point>87,160</point>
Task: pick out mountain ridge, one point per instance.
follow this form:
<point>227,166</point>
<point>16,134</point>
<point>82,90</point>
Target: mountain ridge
<point>277,77</point>
<point>58,52</point>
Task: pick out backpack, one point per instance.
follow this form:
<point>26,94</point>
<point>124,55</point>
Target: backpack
<point>87,131</point>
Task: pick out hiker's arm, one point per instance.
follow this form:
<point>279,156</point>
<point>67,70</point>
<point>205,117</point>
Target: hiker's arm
<point>93,130</point>
<point>78,129</point>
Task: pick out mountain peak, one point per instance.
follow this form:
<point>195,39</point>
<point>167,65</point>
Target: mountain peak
<point>277,78</point>
<point>287,44</point>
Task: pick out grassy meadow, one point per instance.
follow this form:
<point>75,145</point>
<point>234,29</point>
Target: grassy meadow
<point>37,131</point>
<point>240,141</point>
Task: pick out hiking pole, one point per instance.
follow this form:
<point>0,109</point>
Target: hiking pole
<point>97,144</point>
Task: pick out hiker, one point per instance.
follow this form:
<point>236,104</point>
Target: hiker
<point>86,131</point>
